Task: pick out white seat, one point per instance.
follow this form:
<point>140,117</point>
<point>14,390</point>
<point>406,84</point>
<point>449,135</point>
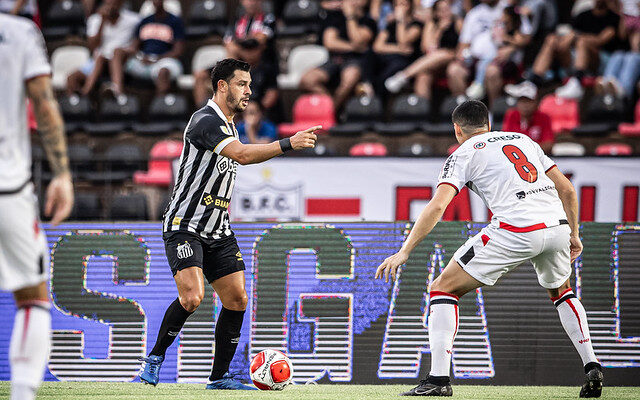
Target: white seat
<point>64,61</point>
<point>301,59</point>
<point>204,58</point>
<point>568,149</point>
<point>171,6</point>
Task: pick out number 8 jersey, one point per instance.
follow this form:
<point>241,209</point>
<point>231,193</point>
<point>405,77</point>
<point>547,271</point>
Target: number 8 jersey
<point>508,171</point>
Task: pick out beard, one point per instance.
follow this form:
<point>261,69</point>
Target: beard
<point>235,104</point>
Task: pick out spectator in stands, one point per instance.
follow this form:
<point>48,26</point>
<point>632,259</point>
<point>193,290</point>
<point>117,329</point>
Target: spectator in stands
<point>439,41</point>
<point>542,14</point>
<point>525,116</point>
<point>255,128</point>
<point>510,36</point>
<point>110,28</point>
<point>154,54</point>
<point>423,9</point>
<point>23,8</point>
<point>251,39</point>
<point>593,36</point>
<point>347,35</point>
<point>475,43</point>
<point>623,68</point>
<point>398,44</point>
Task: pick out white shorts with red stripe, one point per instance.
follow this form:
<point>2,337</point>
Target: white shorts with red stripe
<point>24,255</point>
<point>497,250</point>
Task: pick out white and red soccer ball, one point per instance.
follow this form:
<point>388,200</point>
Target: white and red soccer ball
<point>271,370</point>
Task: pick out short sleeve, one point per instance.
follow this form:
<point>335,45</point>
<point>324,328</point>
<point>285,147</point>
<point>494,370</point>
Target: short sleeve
<point>209,133</point>
<point>547,163</point>
<point>35,61</point>
<point>93,25</point>
<point>466,33</point>
<point>454,170</point>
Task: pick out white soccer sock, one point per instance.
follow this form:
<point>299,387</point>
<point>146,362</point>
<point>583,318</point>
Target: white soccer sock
<point>574,322</point>
<point>29,348</point>
<point>443,326</point>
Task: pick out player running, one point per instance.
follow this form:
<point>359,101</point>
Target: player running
<point>199,242</point>
<point>535,217</point>
<point>24,255</point>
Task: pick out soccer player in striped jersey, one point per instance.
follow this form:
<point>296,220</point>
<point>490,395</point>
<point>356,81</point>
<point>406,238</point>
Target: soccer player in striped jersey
<point>535,217</point>
<point>24,255</point>
<point>199,242</point>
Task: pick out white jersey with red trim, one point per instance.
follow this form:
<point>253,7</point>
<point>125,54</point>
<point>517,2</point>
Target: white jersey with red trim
<point>22,56</point>
<point>508,171</point>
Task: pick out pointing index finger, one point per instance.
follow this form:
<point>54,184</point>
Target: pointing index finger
<point>313,128</point>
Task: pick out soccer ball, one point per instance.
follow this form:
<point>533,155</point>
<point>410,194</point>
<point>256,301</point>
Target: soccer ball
<point>271,370</point>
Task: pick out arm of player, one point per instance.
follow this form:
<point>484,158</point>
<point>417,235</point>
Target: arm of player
<point>59,196</point>
<point>257,153</point>
<point>428,218</point>
<point>569,199</point>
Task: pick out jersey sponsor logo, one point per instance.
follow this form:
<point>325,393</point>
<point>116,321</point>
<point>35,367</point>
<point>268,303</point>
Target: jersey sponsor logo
<point>217,202</point>
<point>225,130</point>
<point>176,221</point>
<point>239,256</point>
<point>505,137</point>
<point>447,169</point>
<point>521,195</point>
<point>184,250</point>
<point>479,145</point>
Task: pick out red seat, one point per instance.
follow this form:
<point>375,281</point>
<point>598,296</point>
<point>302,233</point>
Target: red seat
<point>368,149</point>
<point>452,148</point>
<point>631,129</point>
<point>160,172</point>
<point>563,112</point>
<point>614,149</point>
<point>310,110</point>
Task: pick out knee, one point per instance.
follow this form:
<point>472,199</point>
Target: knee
<point>119,54</point>
<point>455,70</point>
<point>551,40</point>
<point>236,302</point>
<point>493,73</point>
<point>191,301</point>
<point>350,76</point>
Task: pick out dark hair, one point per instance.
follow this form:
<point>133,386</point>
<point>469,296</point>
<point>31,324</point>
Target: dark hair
<point>434,18</point>
<point>224,70</point>
<point>471,116</point>
<point>512,13</point>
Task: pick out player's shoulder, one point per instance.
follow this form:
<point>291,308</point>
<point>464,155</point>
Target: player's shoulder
<point>207,119</point>
<point>19,25</point>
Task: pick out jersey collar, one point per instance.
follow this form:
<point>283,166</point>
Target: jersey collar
<point>218,111</point>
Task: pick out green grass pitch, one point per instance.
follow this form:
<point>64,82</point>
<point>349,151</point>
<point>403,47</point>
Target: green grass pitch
<point>137,391</point>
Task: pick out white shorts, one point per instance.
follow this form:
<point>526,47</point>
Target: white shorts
<point>495,251</point>
<point>24,255</point>
<point>136,68</point>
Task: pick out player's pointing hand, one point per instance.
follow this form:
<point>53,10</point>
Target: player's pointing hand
<point>390,265</point>
<point>305,139</point>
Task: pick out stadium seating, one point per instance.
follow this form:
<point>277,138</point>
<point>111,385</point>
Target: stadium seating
<point>65,18</point>
<point>368,149</point>
<point>564,113</point>
<point>360,114</point>
<point>115,115</point>
<point>499,109</point>
<point>86,207</point>
<point>300,17</point>
<point>82,160</point>
<point>415,149</point>
<point>602,115</point>
<point>631,129</point>
<point>172,6</point>
<point>131,206</point>
<point>65,60</point>
<point>309,110</point>
<point>443,127</point>
<point>407,112</point>
<point>301,59</point>
<point>119,162</point>
<point>570,149</point>
<point>205,57</point>
<point>166,113</point>
<point>160,171</point>
<point>206,18</point>
<point>614,149</point>
<point>76,110</point>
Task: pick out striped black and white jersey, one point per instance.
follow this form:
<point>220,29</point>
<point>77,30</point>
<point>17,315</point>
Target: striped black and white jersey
<point>205,180</point>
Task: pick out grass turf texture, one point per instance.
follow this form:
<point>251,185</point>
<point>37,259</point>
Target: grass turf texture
<point>138,391</point>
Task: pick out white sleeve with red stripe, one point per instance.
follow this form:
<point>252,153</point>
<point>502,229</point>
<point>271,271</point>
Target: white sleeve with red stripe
<point>455,170</point>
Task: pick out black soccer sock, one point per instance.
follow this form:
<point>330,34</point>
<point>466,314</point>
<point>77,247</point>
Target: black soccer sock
<point>580,74</point>
<point>536,79</point>
<point>227,337</point>
<point>174,318</point>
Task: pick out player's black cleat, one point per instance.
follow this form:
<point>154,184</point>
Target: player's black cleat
<point>427,388</point>
<point>593,385</point>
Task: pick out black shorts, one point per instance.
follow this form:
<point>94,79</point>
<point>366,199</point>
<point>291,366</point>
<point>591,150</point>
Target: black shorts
<point>216,257</point>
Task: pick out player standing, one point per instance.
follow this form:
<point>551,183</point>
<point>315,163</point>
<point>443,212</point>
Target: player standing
<point>199,242</point>
<point>24,255</point>
<point>535,217</point>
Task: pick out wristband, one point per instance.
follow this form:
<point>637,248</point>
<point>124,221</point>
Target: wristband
<point>285,144</point>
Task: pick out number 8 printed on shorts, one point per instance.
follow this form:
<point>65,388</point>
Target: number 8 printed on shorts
<point>525,169</point>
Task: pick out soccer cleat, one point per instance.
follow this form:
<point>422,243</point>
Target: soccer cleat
<point>426,388</point>
<point>228,382</point>
<point>150,370</point>
<point>593,385</point>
